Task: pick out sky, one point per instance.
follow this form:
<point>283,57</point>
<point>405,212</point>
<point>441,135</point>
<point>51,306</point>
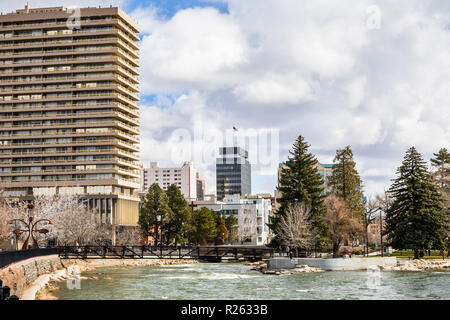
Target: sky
<point>369,74</point>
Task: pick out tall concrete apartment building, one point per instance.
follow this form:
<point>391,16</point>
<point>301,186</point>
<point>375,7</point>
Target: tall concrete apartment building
<point>184,177</point>
<point>325,171</point>
<point>201,186</point>
<point>233,172</point>
<point>69,117</point>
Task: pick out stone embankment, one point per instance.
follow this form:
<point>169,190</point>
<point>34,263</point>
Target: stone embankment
<point>263,268</point>
<point>20,276</point>
<point>418,265</point>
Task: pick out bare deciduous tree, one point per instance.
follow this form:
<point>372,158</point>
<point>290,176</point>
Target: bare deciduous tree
<point>295,229</point>
<point>5,227</point>
<point>129,236</point>
<point>341,224</point>
<point>373,207</point>
<point>74,223</point>
<point>247,222</point>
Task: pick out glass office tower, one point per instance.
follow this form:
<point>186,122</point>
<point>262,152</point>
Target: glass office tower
<point>233,172</point>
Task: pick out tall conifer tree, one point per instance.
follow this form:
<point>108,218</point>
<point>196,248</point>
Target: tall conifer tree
<point>178,221</point>
<point>441,178</point>
<point>300,181</point>
<point>441,175</point>
<point>415,219</point>
<point>346,182</point>
<point>155,204</point>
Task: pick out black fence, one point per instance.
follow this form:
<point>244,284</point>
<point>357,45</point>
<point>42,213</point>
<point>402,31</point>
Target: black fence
<point>208,253</point>
<point>10,257</point>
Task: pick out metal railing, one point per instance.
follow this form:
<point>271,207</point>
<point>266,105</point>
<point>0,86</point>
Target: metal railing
<point>91,133</point>
<point>57,51</point>
<point>56,23</point>
<point>96,179</point>
<point>73,142</point>
<point>71,106</point>
<point>80,162</point>
<point>208,253</point>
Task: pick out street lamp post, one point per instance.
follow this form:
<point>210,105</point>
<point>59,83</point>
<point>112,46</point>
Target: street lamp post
<point>30,227</point>
<point>381,234</point>
<point>158,230</point>
<point>368,218</point>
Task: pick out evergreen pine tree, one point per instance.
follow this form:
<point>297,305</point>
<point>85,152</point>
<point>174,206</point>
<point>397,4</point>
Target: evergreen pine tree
<point>346,183</point>
<point>441,178</point>
<point>203,225</point>
<point>155,204</point>
<point>441,175</point>
<point>222,231</point>
<point>415,219</point>
<point>179,218</point>
<point>231,223</point>
<point>300,181</point>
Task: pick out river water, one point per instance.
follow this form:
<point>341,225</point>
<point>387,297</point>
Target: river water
<point>205,281</point>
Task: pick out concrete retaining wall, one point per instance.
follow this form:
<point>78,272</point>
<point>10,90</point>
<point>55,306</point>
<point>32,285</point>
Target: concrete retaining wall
<point>20,275</point>
<point>332,264</point>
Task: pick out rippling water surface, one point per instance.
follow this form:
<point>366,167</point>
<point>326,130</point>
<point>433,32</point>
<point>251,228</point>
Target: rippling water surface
<point>235,281</point>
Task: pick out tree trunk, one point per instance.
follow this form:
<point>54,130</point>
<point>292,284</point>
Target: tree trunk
<point>416,253</point>
<point>335,249</point>
<point>367,240</point>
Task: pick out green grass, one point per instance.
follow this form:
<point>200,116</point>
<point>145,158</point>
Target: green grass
<point>435,254</point>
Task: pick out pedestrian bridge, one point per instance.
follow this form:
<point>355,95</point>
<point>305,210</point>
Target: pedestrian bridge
<point>206,253</point>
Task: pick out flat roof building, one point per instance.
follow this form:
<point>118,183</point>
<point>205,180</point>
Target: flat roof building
<point>69,112</point>
<point>233,172</point>
<point>200,187</point>
<point>257,206</point>
<point>325,170</point>
<point>184,177</point>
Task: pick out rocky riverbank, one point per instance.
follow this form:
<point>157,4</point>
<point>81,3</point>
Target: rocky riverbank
<point>262,267</point>
<point>418,265</point>
<point>402,265</point>
<point>43,287</point>
<point>22,275</point>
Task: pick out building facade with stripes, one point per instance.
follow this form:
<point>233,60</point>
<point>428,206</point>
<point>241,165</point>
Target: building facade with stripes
<point>69,112</point>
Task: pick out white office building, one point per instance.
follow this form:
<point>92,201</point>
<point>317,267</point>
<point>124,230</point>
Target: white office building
<point>184,177</point>
<point>259,207</point>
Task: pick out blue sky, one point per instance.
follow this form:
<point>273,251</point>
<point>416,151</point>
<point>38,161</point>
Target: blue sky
<point>167,8</point>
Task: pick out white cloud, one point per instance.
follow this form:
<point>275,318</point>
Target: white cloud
<point>356,92</point>
<point>306,67</point>
<point>195,48</point>
<point>314,68</point>
<point>148,19</point>
<point>276,89</point>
